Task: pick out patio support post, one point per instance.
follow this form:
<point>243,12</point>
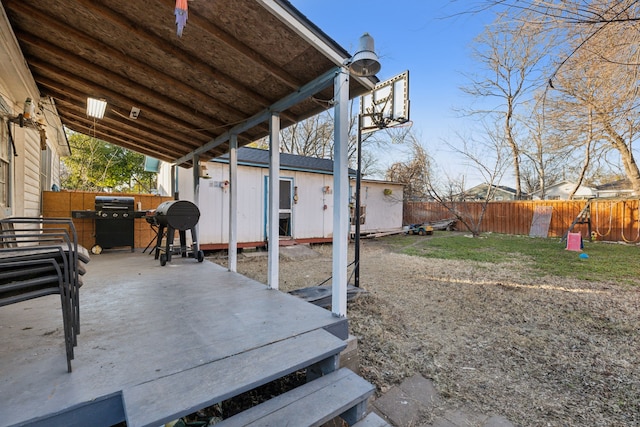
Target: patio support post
<point>233,203</point>
<point>273,217</point>
<point>174,181</point>
<point>196,197</point>
<point>196,178</point>
<point>340,193</point>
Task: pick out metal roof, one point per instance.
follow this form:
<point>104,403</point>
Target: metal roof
<point>260,158</point>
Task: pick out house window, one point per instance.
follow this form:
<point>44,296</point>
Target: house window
<point>4,166</point>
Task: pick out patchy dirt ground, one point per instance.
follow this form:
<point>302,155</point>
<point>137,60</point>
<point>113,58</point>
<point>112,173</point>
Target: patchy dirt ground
<point>550,352</point>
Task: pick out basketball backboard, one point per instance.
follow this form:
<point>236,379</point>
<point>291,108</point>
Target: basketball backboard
<point>387,105</point>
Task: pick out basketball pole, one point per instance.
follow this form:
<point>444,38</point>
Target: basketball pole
<point>378,120</point>
<point>356,271</point>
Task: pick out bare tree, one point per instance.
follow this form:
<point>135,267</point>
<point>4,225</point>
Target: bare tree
<point>549,149</point>
<point>423,180</point>
<point>414,172</point>
<point>592,77</point>
<point>601,80</point>
<point>313,137</point>
<point>511,55</point>
<point>489,159</point>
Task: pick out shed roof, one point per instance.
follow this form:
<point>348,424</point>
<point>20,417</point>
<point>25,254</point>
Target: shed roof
<point>236,61</point>
<point>260,158</point>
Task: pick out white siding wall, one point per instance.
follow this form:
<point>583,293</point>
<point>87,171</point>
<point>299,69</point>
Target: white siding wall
<point>25,178</point>
<point>164,179</point>
<point>17,84</point>
<point>31,173</point>
<point>384,212</point>
<point>312,214</point>
<point>561,192</point>
<point>214,205</point>
<point>309,217</point>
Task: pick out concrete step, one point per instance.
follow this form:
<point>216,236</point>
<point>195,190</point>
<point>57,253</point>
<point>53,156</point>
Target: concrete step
<point>181,393</point>
<point>372,420</point>
<point>339,393</point>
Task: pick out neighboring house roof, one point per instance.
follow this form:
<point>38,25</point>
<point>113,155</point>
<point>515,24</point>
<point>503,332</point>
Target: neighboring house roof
<point>482,188</point>
<point>621,187</point>
<point>260,158</point>
<point>621,184</point>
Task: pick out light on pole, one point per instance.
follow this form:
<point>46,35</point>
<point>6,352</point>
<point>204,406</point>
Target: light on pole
<point>364,63</point>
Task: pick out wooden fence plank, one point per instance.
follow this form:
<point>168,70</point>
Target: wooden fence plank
<point>62,203</point>
<point>611,219</point>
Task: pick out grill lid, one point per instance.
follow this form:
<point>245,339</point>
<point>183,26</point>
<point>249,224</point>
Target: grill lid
<point>114,202</point>
<point>178,214</point>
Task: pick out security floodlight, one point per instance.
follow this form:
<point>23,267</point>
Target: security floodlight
<point>365,62</point>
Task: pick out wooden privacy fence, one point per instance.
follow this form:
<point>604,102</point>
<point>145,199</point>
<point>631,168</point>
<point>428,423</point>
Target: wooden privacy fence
<point>613,220</point>
<point>62,203</point>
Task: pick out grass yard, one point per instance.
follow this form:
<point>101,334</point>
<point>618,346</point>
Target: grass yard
<point>606,261</point>
<point>505,325</point>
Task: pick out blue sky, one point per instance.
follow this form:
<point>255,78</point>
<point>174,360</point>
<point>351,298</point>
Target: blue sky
<point>427,37</point>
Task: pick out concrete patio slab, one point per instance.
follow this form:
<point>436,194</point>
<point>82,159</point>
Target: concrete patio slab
<point>141,322</point>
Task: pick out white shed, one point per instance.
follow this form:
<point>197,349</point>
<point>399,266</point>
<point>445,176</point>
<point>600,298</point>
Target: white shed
<point>306,199</point>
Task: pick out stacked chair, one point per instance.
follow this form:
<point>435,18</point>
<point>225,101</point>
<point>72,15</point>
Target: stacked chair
<point>39,257</point>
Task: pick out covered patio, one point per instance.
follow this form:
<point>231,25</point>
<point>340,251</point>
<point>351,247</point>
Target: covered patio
<point>240,70</point>
<point>160,342</point>
<point>157,343</point>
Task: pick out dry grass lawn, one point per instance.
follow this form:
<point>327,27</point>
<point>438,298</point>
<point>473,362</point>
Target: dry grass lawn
<point>549,352</point>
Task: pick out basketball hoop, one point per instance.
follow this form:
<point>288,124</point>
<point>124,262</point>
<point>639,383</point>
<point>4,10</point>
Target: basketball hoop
<point>387,105</point>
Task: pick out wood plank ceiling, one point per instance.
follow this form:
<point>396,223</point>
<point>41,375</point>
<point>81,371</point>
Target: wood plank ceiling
<point>234,60</point>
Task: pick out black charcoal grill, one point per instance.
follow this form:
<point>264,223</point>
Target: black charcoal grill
<point>172,216</point>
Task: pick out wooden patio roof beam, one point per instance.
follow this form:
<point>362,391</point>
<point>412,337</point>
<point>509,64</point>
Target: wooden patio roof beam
<point>133,130</point>
<point>69,99</point>
<point>134,142</point>
<point>274,70</point>
<point>117,19</point>
<point>45,73</point>
<point>206,101</point>
<point>288,101</point>
<point>86,127</point>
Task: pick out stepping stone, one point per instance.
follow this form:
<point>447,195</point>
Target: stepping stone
<point>404,405</point>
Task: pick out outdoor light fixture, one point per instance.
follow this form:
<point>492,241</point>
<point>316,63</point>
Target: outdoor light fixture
<point>96,107</point>
<point>365,62</point>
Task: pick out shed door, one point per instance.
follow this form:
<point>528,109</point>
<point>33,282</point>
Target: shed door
<point>285,220</point>
<point>285,207</point>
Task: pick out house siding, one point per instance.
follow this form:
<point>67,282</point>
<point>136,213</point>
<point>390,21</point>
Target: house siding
<point>26,173</point>
<point>16,84</point>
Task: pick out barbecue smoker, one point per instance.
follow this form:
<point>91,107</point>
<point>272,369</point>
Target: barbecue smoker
<point>114,222</point>
<point>172,216</point>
